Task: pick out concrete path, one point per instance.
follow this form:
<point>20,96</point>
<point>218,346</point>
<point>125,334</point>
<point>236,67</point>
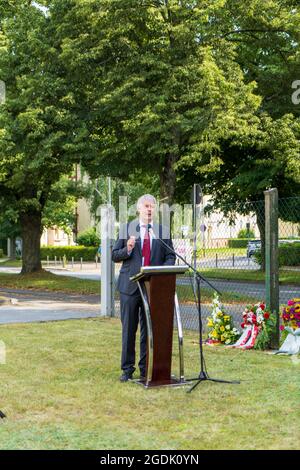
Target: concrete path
<point>25,306</point>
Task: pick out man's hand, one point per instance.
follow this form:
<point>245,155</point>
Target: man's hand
<point>130,244</point>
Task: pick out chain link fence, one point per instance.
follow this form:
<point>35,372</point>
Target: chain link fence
<point>228,250</point>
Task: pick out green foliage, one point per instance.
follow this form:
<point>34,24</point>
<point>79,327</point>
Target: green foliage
<point>244,233</point>
<point>181,91</point>
<point>283,335</point>
<point>263,152</point>
<point>77,252</point>
<point>258,257</point>
<point>237,243</point>
<point>88,238</point>
<point>1,253</point>
<point>264,338</point>
<point>162,83</point>
<point>37,121</point>
<point>136,184</point>
<point>289,254</point>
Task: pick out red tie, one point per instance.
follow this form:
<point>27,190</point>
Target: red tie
<point>146,252</point>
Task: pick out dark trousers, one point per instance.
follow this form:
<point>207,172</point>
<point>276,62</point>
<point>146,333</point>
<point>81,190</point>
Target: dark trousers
<point>132,312</point>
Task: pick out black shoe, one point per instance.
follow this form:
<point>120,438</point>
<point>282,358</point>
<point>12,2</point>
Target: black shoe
<point>125,377</point>
<point>143,376</point>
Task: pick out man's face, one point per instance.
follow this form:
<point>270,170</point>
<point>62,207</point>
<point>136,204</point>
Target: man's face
<point>147,210</point>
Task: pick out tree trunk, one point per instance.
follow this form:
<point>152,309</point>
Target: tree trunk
<point>168,179</point>
<point>31,227</point>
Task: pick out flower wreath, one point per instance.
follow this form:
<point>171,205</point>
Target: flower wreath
<point>257,326</point>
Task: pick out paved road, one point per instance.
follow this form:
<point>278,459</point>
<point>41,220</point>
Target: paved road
<point>42,306</point>
<point>255,289</point>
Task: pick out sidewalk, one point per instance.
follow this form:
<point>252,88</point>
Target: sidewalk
<point>29,306</point>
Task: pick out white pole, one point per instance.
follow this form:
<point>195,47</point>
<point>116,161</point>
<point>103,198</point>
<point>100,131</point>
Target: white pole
<point>107,224</point>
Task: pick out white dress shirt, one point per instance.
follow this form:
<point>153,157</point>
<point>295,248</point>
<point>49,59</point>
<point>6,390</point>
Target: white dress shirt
<point>142,235</point>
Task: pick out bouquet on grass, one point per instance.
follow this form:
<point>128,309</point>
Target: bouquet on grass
<point>220,324</point>
<point>258,325</point>
<point>290,316</point>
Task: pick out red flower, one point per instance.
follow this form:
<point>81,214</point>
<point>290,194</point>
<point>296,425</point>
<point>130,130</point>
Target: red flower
<point>266,315</point>
<point>243,325</point>
<point>281,327</point>
<point>262,306</point>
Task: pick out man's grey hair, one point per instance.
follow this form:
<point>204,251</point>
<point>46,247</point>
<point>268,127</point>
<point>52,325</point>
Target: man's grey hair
<point>144,198</point>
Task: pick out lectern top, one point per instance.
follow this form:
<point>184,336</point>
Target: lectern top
<point>154,270</point>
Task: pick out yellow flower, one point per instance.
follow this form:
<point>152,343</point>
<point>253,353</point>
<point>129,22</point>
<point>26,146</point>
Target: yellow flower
<point>222,338</point>
<point>210,323</point>
<point>294,324</point>
<point>222,328</point>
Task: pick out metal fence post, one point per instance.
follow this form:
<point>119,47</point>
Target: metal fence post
<point>271,254</point>
<point>107,224</point>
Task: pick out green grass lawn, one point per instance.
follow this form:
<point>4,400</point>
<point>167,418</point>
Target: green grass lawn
<point>11,263</point>
<point>291,277</point>
<point>47,281</point>
<point>60,389</point>
<point>286,276</point>
<point>51,282</point>
<point>223,252</point>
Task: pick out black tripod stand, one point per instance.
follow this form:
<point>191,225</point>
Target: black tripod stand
<point>203,375</point>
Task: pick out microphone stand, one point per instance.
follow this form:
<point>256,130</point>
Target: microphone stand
<point>203,375</point>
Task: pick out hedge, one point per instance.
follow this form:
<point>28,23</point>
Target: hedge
<point>288,255</point>
<point>87,253</point>
<point>238,242</point>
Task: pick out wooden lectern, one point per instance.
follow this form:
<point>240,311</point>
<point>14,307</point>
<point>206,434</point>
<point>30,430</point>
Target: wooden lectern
<point>157,285</point>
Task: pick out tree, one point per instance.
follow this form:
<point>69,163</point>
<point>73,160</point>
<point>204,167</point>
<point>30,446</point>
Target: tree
<point>242,168</point>
<point>266,154</point>
<point>266,34</point>
<point>36,122</point>
<point>157,78</point>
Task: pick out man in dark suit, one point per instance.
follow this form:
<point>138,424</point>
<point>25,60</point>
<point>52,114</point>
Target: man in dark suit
<point>138,246</point>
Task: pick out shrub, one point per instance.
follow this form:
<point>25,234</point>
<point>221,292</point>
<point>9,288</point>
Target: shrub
<point>257,257</point>
<point>87,253</point>
<point>1,253</point>
<point>237,242</point>
<point>88,238</point>
<point>288,255</point>
<point>244,233</point>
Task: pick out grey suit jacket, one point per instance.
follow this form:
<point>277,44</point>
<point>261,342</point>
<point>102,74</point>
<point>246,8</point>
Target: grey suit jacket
<point>160,255</point>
